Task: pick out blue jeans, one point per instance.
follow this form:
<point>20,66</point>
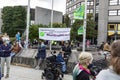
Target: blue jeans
<point>63,66</point>
<point>6,60</point>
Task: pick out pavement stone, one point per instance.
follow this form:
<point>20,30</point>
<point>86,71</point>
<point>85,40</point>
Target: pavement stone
<point>24,73</point>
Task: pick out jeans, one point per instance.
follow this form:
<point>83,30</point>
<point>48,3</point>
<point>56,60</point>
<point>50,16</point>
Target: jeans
<point>7,60</point>
<point>63,66</point>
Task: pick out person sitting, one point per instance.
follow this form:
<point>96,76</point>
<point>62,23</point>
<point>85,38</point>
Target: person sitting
<point>60,58</point>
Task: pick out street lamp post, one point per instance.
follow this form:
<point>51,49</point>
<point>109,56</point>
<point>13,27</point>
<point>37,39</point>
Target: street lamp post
<point>51,20</point>
<point>28,23</point>
<point>85,23</point>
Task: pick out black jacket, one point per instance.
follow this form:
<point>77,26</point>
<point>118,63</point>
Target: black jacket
<point>83,76</point>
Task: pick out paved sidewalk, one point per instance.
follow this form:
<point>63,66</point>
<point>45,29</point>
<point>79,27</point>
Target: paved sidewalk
<point>23,73</point>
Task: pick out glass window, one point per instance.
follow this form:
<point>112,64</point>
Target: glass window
<point>91,10</point>
<point>113,2</point>
<point>91,2</point>
<point>118,12</point>
<point>113,12</point>
<point>118,27</point>
<point>112,26</point>
<point>88,3</point>
<point>88,11</point>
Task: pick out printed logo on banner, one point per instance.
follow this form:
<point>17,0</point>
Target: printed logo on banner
<point>42,34</point>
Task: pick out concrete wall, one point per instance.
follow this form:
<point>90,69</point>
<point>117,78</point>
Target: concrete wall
<point>43,16</point>
<point>102,21</point>
<point>0,19</point>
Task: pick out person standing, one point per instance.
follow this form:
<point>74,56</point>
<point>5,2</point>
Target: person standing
<point>6,38</point>
<point>5,51</point>
<point>17,36</point>
<point>113,72</point>
<point>67,51</point>
<point>41,55</point>
<point>81,70</point>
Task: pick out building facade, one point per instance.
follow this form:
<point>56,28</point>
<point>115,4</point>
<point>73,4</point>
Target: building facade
<point>43,16</point>
<point>107,13</point>
<point>72,5</point>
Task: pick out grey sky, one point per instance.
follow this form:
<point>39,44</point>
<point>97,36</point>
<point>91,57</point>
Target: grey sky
<point>59,5</point>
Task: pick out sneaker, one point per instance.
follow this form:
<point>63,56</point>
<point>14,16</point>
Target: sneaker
<point>7,76</point>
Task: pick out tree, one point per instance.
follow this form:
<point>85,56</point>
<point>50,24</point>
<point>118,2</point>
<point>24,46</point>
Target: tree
<point>7,18</point>
<point>58,25</point>
<point>14,20</point>
<point>66,20</point>
<point>74,28</point>
<point>34,31</point>
<point>90,29</point>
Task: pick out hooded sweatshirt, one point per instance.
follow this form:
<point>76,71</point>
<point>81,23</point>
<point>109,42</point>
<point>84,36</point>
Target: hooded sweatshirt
<point>108,74</point>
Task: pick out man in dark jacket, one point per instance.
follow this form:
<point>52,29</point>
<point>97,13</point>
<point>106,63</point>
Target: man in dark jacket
<point>41,55</point>
<point>67,51</point>
<point>5,50</point>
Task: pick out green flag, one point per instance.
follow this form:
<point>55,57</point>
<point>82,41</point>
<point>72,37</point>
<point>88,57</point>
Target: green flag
<point>79,12</point>
<point>80,31</point>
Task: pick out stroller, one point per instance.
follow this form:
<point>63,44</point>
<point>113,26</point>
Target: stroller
<point>53,69</point>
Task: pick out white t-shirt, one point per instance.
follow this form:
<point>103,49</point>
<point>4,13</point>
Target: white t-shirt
<point>108,74</point>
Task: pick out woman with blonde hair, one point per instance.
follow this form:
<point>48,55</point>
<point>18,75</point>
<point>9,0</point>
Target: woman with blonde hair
<point>81,71</point>
<point>113,73</point>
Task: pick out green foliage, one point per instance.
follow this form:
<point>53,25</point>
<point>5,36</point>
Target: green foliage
<point>7,17</point>
<point>74,28</point>
<point>66,20</point>
<point>58,25</point>
<point>34,31</point>
<point>90,29</point>
<point>14,20</point>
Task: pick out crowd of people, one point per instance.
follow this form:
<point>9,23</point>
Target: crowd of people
<point>81,71</point>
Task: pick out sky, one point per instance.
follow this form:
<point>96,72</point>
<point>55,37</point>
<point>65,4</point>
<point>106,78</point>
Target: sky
<point>59,5</point>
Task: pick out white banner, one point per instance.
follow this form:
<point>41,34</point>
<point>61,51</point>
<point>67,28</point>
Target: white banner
<point>56,34</point>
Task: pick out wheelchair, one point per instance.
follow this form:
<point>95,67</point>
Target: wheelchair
<point>52,70</point>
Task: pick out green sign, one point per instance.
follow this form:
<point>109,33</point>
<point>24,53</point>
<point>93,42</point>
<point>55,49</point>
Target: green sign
<point>80,30</point>
<point>79,12</point>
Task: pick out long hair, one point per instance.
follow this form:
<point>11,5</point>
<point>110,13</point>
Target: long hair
<point>115,56</point>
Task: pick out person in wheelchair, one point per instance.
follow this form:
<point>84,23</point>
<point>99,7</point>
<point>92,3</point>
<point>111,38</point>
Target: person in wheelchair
<point>60,59</point>
<point>53,69</point>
